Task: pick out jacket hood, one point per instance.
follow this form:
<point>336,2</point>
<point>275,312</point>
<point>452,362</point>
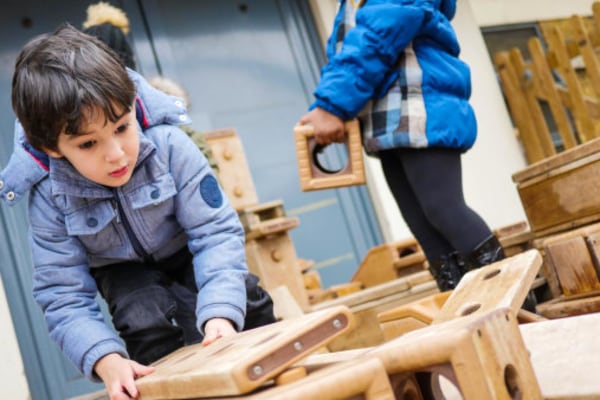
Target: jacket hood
<point>448,8</point>
<point>26,167</point>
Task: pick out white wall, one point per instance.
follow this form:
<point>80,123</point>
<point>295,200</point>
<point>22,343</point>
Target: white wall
<point>501,12</point>
<point>13,384</point>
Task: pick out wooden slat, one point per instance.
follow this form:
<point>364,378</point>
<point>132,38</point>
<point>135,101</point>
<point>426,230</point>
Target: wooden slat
<point>585,126</point>
<point>546,86</point>
<point>524,74</point>
<point>518,107</point>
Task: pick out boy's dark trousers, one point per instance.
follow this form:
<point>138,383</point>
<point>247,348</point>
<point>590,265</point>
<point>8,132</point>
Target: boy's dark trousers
<point>153,304</point>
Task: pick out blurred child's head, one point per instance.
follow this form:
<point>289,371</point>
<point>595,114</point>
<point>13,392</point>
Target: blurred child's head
<point>111,25</point>
<point>63,77</point>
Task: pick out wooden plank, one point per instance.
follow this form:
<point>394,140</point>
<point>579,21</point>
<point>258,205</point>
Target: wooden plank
<point>518,107</point>
<point>234,173</point>
<point>312,177</point>
<point>243,362</point>
<point>524,74</point>
<point>556,42</point>
<point>502,284</point>
<point>545,84</point>
<point>568,307</point>
<point>584,43</point>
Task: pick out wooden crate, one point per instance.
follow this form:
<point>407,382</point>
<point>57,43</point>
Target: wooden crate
<point>571,261</point>
<point>561,192</point>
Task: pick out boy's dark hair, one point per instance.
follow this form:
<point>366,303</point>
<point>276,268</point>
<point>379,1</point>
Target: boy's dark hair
<point>61,78</point>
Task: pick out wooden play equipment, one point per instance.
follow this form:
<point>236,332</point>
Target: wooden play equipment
<point>504,284</point>
<point>244,362</point>
<point>315,177</point>
<point>234,174</point>
<point>390,261</point>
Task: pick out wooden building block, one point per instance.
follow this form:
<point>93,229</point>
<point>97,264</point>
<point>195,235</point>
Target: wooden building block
<point>390,261</point>
<point>243,362</point>
<point>483,354</point>
<point>271,227</point>
<point>234,173</point>
<point>503,284</point>
<point>315,177</point>
<point>560,192</point>
<point>415,315</point>
<point>571,260</point>
<point>273,259</point>
<point>253,216</point>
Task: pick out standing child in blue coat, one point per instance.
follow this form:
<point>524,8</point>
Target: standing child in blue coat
<point>122,202</point>
<point>394,64</point>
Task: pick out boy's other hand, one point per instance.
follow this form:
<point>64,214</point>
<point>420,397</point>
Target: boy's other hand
<point>328,127</point>
<point>217,328</point>
<point>119,374</point>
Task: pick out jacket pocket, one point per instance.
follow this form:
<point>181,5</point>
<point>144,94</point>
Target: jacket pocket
<point>96,227</point>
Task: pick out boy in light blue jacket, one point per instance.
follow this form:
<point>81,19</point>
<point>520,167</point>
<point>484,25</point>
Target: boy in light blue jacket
<point>121,202</point>
<point>394,64</point>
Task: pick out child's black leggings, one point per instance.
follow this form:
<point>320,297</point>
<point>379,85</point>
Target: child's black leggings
<point>427,186</point>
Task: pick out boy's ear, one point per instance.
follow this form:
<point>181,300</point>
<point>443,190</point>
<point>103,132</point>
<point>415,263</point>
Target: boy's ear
<point>53,153</point>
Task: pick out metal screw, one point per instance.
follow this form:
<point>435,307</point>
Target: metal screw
<point>257,370</point>
<point>337,324</point>
<point>298,346</point>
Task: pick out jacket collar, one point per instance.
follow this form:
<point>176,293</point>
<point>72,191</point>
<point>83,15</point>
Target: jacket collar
<point>27,167</point>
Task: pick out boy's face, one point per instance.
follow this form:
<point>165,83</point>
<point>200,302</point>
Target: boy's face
<point>104,152</point>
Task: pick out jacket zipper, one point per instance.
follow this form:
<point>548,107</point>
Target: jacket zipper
<point>122,218</point>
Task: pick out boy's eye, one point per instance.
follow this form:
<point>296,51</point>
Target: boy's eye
<point>122,128</point>
<point>87,145</point>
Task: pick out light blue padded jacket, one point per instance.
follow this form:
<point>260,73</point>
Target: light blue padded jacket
<point>394,64</point>
<point>172,199</point>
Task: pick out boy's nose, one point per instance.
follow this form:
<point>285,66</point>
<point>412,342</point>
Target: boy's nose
<point>114,151</point>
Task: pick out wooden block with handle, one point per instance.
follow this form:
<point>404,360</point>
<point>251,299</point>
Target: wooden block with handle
<point>312,175</point>
<point>243,362</point>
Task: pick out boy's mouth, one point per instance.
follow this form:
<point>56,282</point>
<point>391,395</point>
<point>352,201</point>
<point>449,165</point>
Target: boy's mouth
<point>119,172</point>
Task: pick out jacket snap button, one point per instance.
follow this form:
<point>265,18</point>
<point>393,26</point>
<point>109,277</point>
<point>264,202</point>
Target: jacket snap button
<point>183,117</point>
<point>10,196</point>
<point>92,222</point>
<point>155,193</point>
<point>1,184</point>
<point>178,103</point>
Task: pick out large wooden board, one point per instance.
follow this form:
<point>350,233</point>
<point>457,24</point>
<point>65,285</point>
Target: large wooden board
<point>241,363</point>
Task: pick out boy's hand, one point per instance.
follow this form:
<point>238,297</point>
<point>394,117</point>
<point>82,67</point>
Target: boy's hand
<point>217,328</point>
<point>119,374</point>
<point>328,128</point>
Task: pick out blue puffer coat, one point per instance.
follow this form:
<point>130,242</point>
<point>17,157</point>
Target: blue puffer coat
<point>394,63</point>
<point>171,200</point>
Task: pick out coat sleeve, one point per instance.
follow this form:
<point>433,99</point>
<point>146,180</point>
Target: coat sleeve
<point>216,237</point>
<point>66,291</point>
<point>369,52</point>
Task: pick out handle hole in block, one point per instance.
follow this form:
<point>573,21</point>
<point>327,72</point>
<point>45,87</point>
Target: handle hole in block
<point>469,309</point>
<point>330,159</point>
<point>511,380</point>
<point>491,274</point>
